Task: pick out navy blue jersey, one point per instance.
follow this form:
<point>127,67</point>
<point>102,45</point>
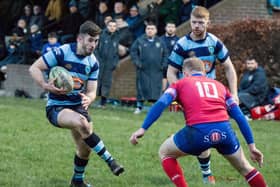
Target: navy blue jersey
<point>208,50</point>
<point>82,69</point>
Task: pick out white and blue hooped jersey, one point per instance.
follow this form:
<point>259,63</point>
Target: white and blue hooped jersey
<point>208,50</point>
<point>82,69</point>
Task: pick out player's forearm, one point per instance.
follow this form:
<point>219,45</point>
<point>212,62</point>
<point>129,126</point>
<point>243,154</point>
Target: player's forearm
<point>37,75</point>
<point>157,110</point>
<point>91,95</point>
<point>243,124</point>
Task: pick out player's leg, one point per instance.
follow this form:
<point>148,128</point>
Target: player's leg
<point>68,118</point>
<point>242,165</point>
<point>168,154</point>
<point>205,163</point>
<point>80,161</point>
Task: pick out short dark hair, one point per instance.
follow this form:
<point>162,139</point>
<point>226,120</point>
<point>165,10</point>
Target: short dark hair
<point>90,28</point>
<point>52,35</point>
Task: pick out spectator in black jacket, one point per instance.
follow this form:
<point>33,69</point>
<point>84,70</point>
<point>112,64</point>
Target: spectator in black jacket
<point>254,88</point>
<point>70,24</point>
<point>108,57</point>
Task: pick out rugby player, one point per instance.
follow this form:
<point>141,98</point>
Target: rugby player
<point>70,111</point>
<point>207,125</point>
<point>209,49</point>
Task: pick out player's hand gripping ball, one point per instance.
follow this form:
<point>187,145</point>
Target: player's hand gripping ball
<point>62,78</point>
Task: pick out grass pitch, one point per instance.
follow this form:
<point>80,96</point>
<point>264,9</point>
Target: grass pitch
<point>36,154</point>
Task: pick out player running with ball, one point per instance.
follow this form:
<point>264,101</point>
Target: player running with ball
<point>206,110</point>
<point>70,110</point>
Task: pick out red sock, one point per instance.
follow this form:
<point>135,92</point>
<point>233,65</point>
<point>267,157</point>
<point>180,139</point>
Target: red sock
<point>258,111</point>
<point>272,115</point>
<point>276,100</point>
<point>255,179</point>
<point>174,171</point>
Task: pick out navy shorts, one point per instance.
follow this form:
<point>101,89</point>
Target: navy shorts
<point>52,112</point>
<point>198,138</point>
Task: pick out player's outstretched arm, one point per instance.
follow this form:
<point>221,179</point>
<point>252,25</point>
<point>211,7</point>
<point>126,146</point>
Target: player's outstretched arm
<point>154,113</point>
<point>255,154</point>
<point>136,135</point>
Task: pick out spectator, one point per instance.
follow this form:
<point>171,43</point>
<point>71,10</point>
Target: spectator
<point>119,10</point>
<point>52,43</point>
<point>27,14</point>
<point>167,12</point>
<point>135,22</point>
<point>149,55</point>
<point>169,39</point>
<point>69,25</point>
<point>126,37</point>
<point>38,17</point>
<point>83,7</point>
<point>107,55</point>
<point>36,41</point>
<point>3,50</point>
<point>254,88</point>
<point>185,11</point>
<point>101,14</point>
<point>16,45</point>
<point>55,11</point>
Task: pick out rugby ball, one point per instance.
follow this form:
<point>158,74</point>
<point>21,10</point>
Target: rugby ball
<point>62,78</point>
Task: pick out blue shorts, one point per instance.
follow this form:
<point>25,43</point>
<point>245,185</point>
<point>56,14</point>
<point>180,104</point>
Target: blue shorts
<point>52,112</point>
<point>198,138</point>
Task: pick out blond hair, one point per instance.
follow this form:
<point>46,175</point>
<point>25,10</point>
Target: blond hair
<point>193,64</point>
<point>200,12</point>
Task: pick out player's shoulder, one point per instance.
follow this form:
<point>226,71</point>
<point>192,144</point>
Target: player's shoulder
<point>184,38</point>
<point>212,37</point>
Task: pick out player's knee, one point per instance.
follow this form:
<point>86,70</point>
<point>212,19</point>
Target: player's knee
<point>163,151</point>
<point>84,126</point>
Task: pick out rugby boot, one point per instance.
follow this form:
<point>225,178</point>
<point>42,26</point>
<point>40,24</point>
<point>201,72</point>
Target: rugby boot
<point>83,184</point>
<point>209,180</point>
<point>116,168</point>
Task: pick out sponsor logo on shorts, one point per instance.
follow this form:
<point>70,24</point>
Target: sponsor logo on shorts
<point>215,136</point>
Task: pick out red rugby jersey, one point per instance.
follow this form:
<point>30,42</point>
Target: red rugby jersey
<point>203,99</point>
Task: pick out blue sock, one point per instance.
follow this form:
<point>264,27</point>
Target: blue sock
<point>79,169</point>
<point>205,166</point>
<point>97,145</point>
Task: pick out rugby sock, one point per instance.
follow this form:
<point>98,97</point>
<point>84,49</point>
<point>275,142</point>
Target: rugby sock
<point>97,145</point>
<point>79,170</point>
<point>174,171</point>
<point>205,166</point>
<point>272,115</point>
<point>255,179</point>
<point>258,111</point>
